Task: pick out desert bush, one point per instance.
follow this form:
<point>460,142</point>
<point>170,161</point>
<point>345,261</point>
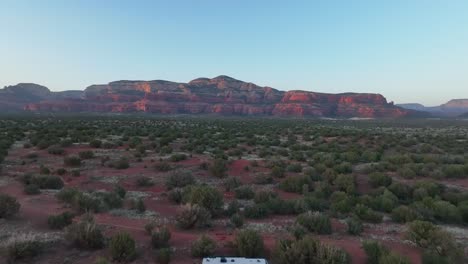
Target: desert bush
<point>236,220</point>
<point>24,247</point>
<point>72,161</point>
<point>249,244</point>
<point>32,189</point>
<point>207,197</point>
<point>179,179</point>
<point>308,250</point>
<point>435,240</point>
<point>60,221</point>
<point>231,183</point>
<point>61,171</point>
<point>393,258</point>
<point>85,202</point>
<point>43,181</point>
<point>341,202</point>
<point>112,200</point>
<point>446,212</point>
<point>88,154</point>
<point>374,251</point>
<point>263,179</point>
<point>140,206</point>
<point>403,214</point>
<point>121,164</point>
<point>85,234</point>
<point>203,247</point>
<point>95,143</point>
<point>367,214</point>
<point>295,184</point>
<point>377,179</point>
<point>355,226</point>
<point>149,227</point>
<point>345,183</point>
<point>277,172</point>
<point>120,191</point>
<point>163,166</point>
<point>160,238</point>
<point>178,157</point>
<point>144,181</point>
<point>315,222</point>
<point>122,247</point>
<point>244,192</point>
<point>176,195</point>
<point>163,255</point>
<point>257,211</point>
<point>67,195</point>
<point>218,168</point>
<point>193,216</point>
<point>9,206</point>
<point>55,150</point>
<point>264,196</point>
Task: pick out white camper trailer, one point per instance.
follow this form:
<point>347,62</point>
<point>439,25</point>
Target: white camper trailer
<point>233,260</point>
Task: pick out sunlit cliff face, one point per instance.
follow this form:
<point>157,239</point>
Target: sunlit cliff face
<point>221,95</point>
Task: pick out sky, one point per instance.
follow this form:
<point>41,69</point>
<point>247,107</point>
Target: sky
<point>407,50</point>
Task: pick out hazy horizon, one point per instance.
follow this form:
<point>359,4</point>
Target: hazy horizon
<point>408,51</point>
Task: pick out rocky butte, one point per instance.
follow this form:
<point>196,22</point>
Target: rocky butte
<point>221,95</point>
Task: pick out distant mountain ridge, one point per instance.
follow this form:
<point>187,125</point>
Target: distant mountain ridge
<point>222,95</point>
<point>454,107</point>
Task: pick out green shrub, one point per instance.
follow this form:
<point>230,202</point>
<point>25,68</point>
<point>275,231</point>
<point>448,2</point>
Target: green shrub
<point>374,251</point>
<point>32,189</point>
<point>218,168</point>
<point>315,222</point>
<point>296,167</point>
<point>95,143</point>
<point>120,191</point>
<point>295,184</point>
<point>237,220</point>
<point>60,221</point>
<point>72,161</point>
<point>378,179</point>
<point>140,206</point>
<point>203,247</point>
<point>193,216</point>
<point>44,181</point>
<point>163,255</point>
<point>264,196</point>
<point>231,183</point>
<point>277,172</point>
<point>355,226</point>
<point>121,164</point>
<point>244,192</point>
<point>257,211</point>
<point>88,154</point>
<point>367,214</point>
<point>178,157</point>
<point>249,244</point>
<point>23,249</point>
<point>308,250</point>
<point>55,150</point>
<point>393,258</point>
<point>179,179</point>
<point>163,166</point>
<point>207,197</point>
<point>112,200</point>
<point>144,181</point>
<point>9,206</point>
<point>403,214</point>
<point>67,195</point>
<point>85,234</point>
<point>160,238</point>
<point>122,247</point>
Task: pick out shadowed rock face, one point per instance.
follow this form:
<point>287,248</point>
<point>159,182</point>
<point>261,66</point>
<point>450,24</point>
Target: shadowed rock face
<point>221,95</point>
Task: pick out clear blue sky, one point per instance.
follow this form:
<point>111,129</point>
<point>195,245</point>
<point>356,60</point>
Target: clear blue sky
<point>407,50</point>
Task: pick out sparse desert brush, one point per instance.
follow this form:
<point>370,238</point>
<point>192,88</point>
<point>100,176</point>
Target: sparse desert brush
<point>24,246</point>
<point>204,246</point>
<point>122,247</point>
<point>191,216</point>
<point>249,243</point>
<point>60,221</point>
<point>179,179</point>
<point>9,206</point>
<point>85,233</point>
<point>160,237</point>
